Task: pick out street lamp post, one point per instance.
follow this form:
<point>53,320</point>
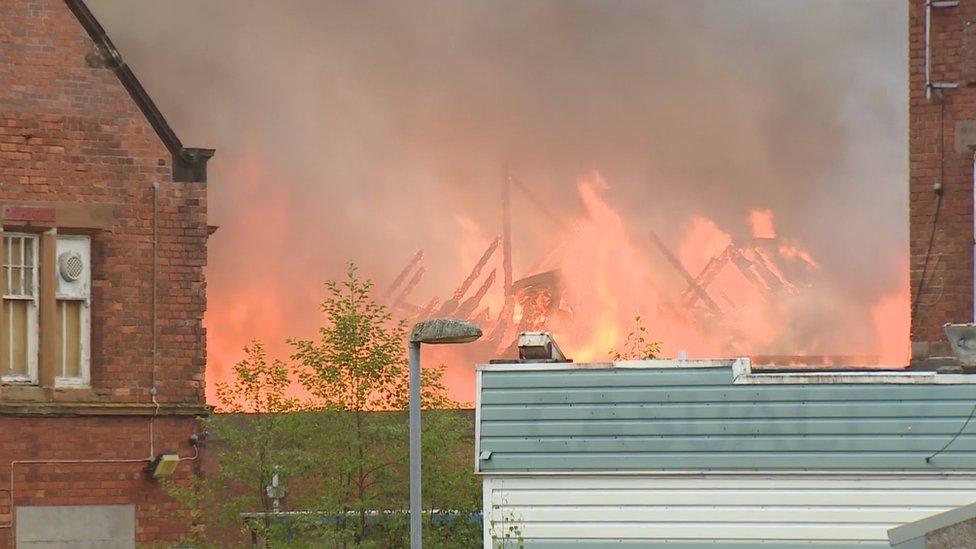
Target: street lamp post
<point>437,331</point>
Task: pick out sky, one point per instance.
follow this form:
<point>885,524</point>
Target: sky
<point>364,131</point>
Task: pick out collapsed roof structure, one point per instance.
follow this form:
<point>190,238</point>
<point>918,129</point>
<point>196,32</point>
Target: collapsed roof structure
<point>535,302</point>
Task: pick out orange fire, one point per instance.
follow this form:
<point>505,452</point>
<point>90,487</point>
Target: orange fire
<point>246,290</point>
<point>751,296</point>
<point>892,324</point>
<point>715,296</point>
<point>762,223</point>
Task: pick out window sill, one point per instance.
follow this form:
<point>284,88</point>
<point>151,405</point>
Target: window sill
<point>18,382</point>
<point>71,383</point>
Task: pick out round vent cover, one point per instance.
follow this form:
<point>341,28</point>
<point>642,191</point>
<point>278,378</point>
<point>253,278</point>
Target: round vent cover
<point>71,266</point>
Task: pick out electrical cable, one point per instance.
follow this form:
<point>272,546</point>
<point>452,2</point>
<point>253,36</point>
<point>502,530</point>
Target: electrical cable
<point>939,189</point>
<point>938,207</point>
<point>954,437</point>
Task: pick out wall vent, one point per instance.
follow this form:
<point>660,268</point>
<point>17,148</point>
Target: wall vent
<point>71,266</point>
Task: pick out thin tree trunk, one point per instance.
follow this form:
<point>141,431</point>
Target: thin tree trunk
<point>359,480</point>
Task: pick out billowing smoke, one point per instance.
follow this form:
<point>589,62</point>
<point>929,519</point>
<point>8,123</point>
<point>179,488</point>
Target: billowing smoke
<point>366,130</point>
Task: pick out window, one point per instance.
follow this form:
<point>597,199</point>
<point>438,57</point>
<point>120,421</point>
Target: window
<point>18,340</point>
<point>73,320</point>
<point>45,320</point>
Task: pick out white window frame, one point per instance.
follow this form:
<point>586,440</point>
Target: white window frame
<point>33,333</point>
<point>84,367</point>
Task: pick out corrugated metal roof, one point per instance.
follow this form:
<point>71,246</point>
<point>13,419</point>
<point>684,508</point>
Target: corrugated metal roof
<point>689,419</point>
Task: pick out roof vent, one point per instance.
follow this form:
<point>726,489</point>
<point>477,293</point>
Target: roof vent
<point>539,347</point>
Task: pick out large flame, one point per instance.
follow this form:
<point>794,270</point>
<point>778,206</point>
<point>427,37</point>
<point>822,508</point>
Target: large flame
<point>753,295</point>
<point>612,277</point>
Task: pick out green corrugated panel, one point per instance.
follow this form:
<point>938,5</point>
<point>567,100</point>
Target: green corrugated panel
<point>607,378</point>
<point>702,427</point>
<point>734,410</point>
<point>729,443</point>
<point>670,419</point>
<point>685,544</point>
<point>582,394</point>
<point>724,460</point>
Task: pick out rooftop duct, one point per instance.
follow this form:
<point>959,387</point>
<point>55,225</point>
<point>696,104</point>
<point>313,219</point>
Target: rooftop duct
<point>539,347</point>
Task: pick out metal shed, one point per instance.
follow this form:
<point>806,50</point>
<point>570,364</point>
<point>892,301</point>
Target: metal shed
<point>709,454</point>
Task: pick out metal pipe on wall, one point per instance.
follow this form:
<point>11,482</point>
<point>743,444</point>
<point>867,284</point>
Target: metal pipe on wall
<point>155,248</point>
<point>929,6</point>
<point>928,52</point>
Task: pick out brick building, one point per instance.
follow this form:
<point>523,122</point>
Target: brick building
<point>942,142</point>
<point>103,245</point>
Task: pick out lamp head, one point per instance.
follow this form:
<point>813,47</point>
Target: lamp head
<point>444,331</point>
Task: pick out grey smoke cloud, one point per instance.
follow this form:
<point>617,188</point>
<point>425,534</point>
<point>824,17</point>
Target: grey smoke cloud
<point>359,130</point>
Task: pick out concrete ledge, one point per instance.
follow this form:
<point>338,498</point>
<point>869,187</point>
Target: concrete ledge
<point>935,363</point>
<point>86,409</point>
<point>922,350</point>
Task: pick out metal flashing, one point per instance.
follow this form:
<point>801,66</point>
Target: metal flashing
<point>743,374</point>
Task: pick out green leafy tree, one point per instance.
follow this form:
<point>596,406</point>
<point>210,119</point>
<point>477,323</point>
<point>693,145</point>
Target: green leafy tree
<point>638,345</point>
<point>449,483</point>
<point>255,434</point>
<point>262,425</point>
<point>342,450</point>
<point>356,373</point>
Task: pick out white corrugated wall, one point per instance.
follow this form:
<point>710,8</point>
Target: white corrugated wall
<point>714,507</point>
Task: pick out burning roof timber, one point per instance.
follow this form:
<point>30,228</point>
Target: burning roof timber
<point>539,301</point>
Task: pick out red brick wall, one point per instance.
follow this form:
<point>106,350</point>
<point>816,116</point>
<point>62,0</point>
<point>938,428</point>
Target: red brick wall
<point>158,517</point>
<point>70,132</point>
<point>947,293</point>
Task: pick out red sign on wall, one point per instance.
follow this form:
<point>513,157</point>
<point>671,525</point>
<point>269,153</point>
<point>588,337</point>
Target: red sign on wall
<point>28,213</point>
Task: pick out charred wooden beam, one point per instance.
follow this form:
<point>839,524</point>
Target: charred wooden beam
<point>414,281</point>
<point>468,307</point>
<point>692,283</point>
<point>506,316</point>
<point>769,266</point>
<point>451,305</point>
<point>745,266</point>
<point>424,313</point>
<point>417,258</point>
<point>707,275</point>
<point>507,233</point>
<point>476,272</point>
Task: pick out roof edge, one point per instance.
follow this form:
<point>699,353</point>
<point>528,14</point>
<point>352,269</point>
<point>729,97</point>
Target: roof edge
<point>648,364</point>
<point>920,528</point>
<point>189,164</point>
<point>744,374</point>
